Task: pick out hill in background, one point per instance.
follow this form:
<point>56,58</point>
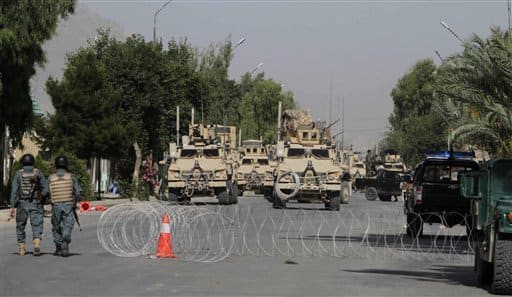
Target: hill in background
<point>72,33</point>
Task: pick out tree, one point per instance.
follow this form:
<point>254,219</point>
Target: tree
<point>259,107</point>
<point>416,125</point>
<point>86,120</point>
<point>477,86</point>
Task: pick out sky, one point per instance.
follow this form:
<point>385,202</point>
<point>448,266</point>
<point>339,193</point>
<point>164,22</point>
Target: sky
<point>362,47</point>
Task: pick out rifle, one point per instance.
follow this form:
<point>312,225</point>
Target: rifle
<point>75,214</point>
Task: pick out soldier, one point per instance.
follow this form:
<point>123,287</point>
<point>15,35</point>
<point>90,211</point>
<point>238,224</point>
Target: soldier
<point>370,163</point>
<point>28,190</point>
<point>65,194</point>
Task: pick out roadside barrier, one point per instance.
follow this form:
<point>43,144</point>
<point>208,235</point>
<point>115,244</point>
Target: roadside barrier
<point>213,233</point>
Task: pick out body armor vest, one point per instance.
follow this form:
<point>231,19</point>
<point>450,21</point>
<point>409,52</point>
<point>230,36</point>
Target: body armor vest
<point>27,183</point>
<point>61,188</point>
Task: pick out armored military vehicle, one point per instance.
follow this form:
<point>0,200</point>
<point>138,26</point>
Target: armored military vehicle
<point>489,191</point>
<point>308,169</point>
<point>391,162</point>
<point>255,172</point>
<point>204,166</point>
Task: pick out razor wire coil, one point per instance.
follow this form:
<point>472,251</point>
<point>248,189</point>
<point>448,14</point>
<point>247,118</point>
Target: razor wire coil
<point>211,234</point>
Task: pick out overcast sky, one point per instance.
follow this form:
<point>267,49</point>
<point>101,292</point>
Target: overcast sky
<point>362,46</point>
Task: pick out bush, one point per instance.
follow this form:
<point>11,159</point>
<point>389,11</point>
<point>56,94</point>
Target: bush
<point>125,188</point>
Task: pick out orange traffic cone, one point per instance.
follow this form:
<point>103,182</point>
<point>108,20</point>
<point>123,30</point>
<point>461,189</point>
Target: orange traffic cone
<point>164,249</point>
<point>85,206</point>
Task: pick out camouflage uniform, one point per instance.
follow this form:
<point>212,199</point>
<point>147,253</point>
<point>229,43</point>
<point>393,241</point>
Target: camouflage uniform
<point>65,194</point>
<point>28,204</point>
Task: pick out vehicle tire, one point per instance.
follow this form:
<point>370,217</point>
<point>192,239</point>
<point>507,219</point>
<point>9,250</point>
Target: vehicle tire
<point>224,197</point>
<point>335,201</point>
<point>502,274</point>
<point>173,196</point>
<point>483,268</point>
<point>233,192</point>
<point>371,194</point>
<point>345,193</point>
<point>278,203</point>
<point>384,197</point>
<point>414,225</point>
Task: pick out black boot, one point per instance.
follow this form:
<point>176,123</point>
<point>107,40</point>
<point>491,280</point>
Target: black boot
<point>65,249</point>
<point>58,250</point>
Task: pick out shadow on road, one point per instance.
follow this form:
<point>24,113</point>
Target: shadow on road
<point>459,275</point>
<point>444,244</point>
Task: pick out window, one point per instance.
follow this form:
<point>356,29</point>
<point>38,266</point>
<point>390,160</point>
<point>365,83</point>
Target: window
<point>444,173</point>
<point>246,161</point>
<point>313,135</point>
<point>305,135</point>
<point>295,152</point>
<point>502,178</point>
<point>263,161</point>
<point>255,150</point>
<point>188,153</point>
<point>320,153</point>
<point>209,153</point>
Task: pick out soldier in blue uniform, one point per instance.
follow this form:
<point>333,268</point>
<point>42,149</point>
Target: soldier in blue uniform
<point>28,190</point>
<point>65,194</point>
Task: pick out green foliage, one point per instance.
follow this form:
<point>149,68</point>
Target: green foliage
<point>416,125</point>
<point>78,168</point>
<point>476,85</point>
<point>85,122</point>
<point>24,26</point>
<point>126,188</point>
<point>258,111</point>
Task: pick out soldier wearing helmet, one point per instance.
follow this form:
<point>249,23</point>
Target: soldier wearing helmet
<point>28,190</point>
<point>65,194</point>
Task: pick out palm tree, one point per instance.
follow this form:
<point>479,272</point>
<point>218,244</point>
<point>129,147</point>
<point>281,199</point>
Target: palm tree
<point>477,89</point>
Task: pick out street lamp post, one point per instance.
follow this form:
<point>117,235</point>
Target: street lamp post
<point>445,25</point>
<point>239,43</point>
<point>256,68</point>
<point>154,18</point>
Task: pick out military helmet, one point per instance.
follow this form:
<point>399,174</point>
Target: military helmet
<point>28,160</point>
<point>61,162</point>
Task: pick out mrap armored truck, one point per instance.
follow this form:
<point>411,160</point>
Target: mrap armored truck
<point>255,171</point>
<point>204,165</point>
<point>308,169</point>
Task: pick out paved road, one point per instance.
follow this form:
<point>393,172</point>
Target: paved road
<point>379,264</point>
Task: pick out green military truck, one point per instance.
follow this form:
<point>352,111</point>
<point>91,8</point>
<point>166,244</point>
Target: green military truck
<point>490,192</point>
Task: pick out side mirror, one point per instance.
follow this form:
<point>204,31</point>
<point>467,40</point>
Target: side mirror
<point>469,186</point>
<point>280,149</point>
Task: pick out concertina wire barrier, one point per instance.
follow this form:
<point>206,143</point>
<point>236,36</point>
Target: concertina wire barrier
<point>213,233</point>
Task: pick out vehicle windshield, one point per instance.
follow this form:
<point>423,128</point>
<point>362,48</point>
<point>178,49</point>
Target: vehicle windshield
<point>502,178</point>
<point>295,152</point>
<point>209,153</point>
<point>320,153</point>
<point>188,153</point>
<point>263,161</point>
<point>247,161</point>
<point>359,166</point>
<point>443,173</point>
